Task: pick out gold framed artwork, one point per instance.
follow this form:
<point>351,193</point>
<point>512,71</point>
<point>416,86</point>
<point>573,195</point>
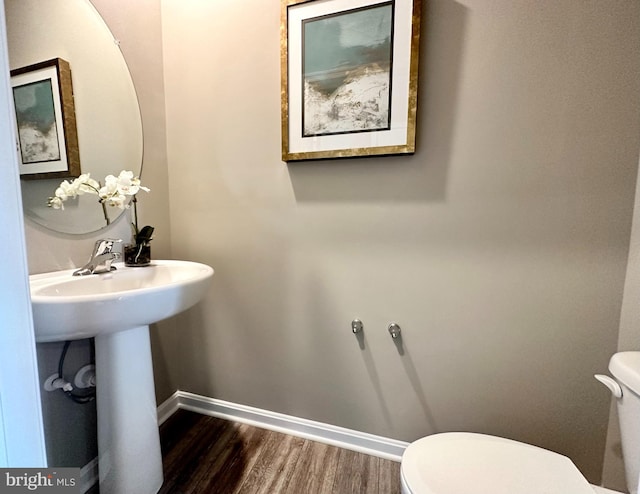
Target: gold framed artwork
<point>349,73</point>
<point>46,120</point>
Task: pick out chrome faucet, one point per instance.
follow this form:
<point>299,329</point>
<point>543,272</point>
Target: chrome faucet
<point>101,259</point>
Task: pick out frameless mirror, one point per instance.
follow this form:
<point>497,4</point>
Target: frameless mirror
<point>109,125</point>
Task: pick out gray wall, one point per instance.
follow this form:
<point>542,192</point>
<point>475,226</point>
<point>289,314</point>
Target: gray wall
<point>500,247</point>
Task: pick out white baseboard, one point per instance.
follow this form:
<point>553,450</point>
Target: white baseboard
<point>89,475</point>
<point>362,442</point>
<point>168,407</point>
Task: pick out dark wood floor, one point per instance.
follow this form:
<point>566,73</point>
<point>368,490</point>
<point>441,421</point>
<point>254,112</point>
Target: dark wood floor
<point>208,455</point>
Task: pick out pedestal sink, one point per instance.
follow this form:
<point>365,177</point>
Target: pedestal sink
<point>116,308</point>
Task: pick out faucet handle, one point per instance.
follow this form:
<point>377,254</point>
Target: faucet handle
<point>105,246</point>
<point>101,258</point>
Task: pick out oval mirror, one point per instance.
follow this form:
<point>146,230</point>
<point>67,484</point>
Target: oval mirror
<point>109,126</point>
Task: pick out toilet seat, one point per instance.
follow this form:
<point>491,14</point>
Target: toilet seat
<point>468,463</point>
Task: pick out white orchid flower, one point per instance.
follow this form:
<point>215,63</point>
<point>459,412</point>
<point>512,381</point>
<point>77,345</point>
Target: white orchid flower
<point>66,190</point>
<point>128,184</point>
<point>56,203</point>
<point>116,200</point>
<point>110,187</point>
<point>114,192</point>
<point>84,184</point>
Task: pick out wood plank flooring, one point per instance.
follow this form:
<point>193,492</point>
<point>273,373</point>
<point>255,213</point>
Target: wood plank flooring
<point>204,454</point>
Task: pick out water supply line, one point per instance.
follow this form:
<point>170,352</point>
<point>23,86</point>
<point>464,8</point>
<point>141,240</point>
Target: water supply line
<point>84,378</point>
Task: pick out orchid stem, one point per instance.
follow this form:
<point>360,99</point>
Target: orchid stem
<point>135,217</point>
<point>104,206</point>
<point>104,211</point>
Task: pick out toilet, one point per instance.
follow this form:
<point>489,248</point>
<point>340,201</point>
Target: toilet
<point>470,463</point>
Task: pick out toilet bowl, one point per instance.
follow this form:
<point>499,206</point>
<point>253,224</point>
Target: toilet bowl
<point>470,463</point>
<point>466,463</point>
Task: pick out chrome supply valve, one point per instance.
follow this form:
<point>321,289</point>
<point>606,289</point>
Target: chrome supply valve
<point>356,326</point>
<point>394,330</point>
<point>54,382</point>
<point>101,258</point>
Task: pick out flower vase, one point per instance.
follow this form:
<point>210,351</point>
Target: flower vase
<point>137,255</point>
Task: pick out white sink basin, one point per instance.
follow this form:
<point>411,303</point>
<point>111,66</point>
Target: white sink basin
<point>116,308</point>
<point>67,307</point>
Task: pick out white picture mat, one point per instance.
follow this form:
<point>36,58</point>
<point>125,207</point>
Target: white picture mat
<point>60,165</point>
<point>397,135</point>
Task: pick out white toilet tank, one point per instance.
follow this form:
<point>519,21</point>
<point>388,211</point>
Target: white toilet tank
<point>625,367</point>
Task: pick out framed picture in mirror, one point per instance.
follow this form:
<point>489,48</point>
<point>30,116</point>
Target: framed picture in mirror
<point>45,120</point>
<point>349,72</point>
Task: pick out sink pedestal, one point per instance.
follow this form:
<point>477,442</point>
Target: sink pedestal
<point>129,455</point>
<point>116,309</point>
